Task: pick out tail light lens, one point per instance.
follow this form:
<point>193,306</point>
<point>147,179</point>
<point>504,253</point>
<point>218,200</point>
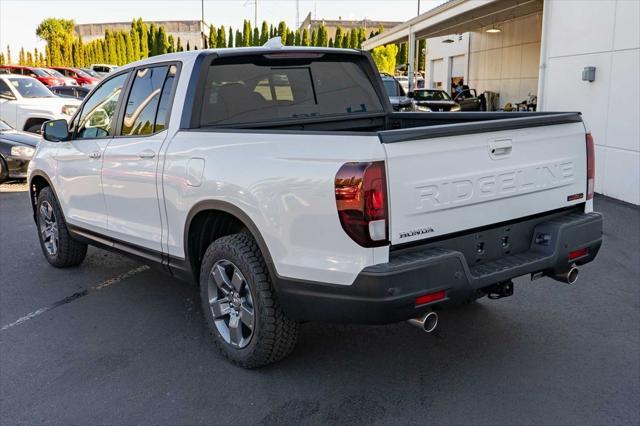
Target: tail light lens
<point>591,166</point>
<point>361,199</point>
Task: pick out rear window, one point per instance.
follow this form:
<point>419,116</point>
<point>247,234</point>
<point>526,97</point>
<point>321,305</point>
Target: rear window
<point>262,90</point>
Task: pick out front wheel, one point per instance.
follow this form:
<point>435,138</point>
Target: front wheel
<point>58,247</point>
<point>241,306</point>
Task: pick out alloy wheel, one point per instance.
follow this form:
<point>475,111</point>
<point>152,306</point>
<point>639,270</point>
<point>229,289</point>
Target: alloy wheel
<point>231,303</point>
<point>48,228</point>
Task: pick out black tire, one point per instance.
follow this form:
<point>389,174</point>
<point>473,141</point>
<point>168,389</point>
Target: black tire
<point>273,335</point>
<point>35,128</point>
<point>4,170</point>
<point>69,252</point>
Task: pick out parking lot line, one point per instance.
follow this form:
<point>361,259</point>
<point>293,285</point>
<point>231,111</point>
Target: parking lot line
<point>77,295</point>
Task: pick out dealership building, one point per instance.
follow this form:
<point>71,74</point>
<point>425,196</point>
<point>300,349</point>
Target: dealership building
<point>581,55</point>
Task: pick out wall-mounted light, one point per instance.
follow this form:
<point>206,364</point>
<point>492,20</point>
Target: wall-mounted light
<point>493,30</point>
<point>589,74</point>
<point>448,40</point>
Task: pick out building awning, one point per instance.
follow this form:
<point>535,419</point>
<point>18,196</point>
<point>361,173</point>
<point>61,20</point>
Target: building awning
<point>456,17</point>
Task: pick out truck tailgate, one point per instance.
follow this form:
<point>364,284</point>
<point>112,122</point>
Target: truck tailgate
<point>449,178</point>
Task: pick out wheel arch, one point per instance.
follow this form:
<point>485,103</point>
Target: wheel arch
<point>39,180</point>
<point>229,210</point>
<point>34,120</point>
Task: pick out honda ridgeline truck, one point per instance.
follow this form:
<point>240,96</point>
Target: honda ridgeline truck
<point>280,180</point>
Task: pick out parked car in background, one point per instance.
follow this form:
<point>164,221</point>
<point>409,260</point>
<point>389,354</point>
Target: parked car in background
<point>434,100</point>
<point>68,81</point>
<point>25,103</point>
<point>76,92</point>
<point>16,150</point>
<point>103,69</point>
<point>397,95</point>
<point>92,73</point>
<point>79,76</point>
<point>38,73</point>
<point>468,100</point>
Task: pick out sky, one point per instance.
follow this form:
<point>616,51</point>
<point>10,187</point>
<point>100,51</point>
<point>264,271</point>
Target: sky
<point>19,18</point>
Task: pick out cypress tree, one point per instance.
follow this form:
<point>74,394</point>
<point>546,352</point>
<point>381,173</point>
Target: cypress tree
<point>172,44</point>
<point>282,30</point>
<point>122,48</point>
<point>230,37</point>
<point>338,41</point>
<point>297,40</point>
<point>246,34</point>
<point>128,43</point>
<point>353,38</point>
<point>161,41</point>
<point>2,60</point>
<point>305,37</point>
<point>41,60</point>
<point>179,47</point>
<point>239,41</point>
<point>331,42</point>
<point>144,39</point>
<point>8,54</point>
<point>188,46</point>
<point>21,57</point>
<point>264,34</point>
<point>213,37</point>
<point>222,38</point>
<point>322,35</point>
<point>113,48</point>
<point>256,37</point>
<point>135,42</point>
<point>314,37</point>
<point>272,31</point>
<point>151,39</point>
<point>362,36</point>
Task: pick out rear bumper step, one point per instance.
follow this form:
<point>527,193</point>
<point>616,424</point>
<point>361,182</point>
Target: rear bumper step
<point>386,293</point>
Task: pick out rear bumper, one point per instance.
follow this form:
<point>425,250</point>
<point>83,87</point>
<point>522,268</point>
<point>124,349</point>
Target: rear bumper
<point>386,293</point>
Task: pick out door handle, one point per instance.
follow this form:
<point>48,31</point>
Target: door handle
<point>95,155</point>
<point>146,154</point>
<point>500,148</point>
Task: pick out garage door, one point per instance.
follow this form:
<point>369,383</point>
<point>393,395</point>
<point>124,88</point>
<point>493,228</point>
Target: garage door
<point>457,66</point>
<point>438,74</point>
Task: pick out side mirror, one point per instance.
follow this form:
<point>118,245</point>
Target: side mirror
<point>55,130</point>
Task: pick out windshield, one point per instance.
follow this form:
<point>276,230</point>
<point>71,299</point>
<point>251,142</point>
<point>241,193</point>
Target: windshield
<point>31,88</point>
<point>39,72</point>
<point>4,126</point>
<point>53,72</point>
<point>92,73</point>
<point>431,95</point>
<point>392,87</point>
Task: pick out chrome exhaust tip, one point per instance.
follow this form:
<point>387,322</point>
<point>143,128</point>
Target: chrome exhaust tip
<point>568,277</point>
<point>428,322</point>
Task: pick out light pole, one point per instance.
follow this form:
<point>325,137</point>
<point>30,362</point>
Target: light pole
<point>204,40</point>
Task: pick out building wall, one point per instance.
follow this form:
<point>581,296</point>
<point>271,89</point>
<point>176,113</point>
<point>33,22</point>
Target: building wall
<point>604,34</point>
<point>446,60</point>
<point>186,30</point>
<point>507,62</point>
<point>333,24</point>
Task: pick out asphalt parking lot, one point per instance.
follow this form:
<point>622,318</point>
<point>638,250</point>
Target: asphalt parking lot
<point>113,342</point>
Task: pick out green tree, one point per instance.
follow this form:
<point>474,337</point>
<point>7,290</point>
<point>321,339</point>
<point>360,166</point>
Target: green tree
<point>323,38</point>
<point>305,37</point>
<point>56,32</point>
<point>8,59</point>
<point>222,37</point>
<point>264,33</point>
<point>41,60</point>
<point>353,38</point>
<point>113,47</point>
<point>297,39</point>
<point>338,40</point>
<point>78,53</point>
<point>362,36</point>
<point>3,61</point>
<point>331,44</point>
<point>213,37</point>
<point>128,43</point>
<point>172,44</point>
<point>385,58</point>
<point>122,49</point>
<point>314,37</point>
<point>188,46</point>
<point>402,57</point>
<point>255,40</point>
<point>422,47</point>
<point>161,41</point>
<point>246,34</point>
<point>29,61</point>
<point>21,57</point>
<point>144,39</point>
<point>179,47</point>
<point>238,41</point>
<point>151,39</point>
<point>135,43</point>
<point>282,30</point>
<point>230,41</point>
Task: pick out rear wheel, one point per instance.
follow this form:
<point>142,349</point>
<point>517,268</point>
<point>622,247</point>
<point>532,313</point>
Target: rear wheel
<point>4,170</point>
<point>58,247</point>
<point>241,306</point>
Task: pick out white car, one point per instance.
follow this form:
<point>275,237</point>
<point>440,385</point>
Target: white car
<point>25,103</point>
<point>280,181</point>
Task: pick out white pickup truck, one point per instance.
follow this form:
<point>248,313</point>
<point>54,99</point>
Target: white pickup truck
<point>280,181</point>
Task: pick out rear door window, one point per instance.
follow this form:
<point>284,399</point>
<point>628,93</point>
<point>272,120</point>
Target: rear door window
<point>273,90</point>
<point>149,99</point>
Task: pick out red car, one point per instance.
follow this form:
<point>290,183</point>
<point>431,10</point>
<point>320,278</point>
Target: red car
<point>38,73</point>
<point>81,77</point>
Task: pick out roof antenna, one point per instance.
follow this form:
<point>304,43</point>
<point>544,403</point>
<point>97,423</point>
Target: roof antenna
<point>273,43</point>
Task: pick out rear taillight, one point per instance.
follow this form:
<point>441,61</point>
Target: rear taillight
<point>361,198</point>
<point>591,166</point>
